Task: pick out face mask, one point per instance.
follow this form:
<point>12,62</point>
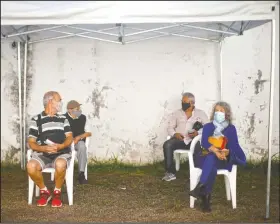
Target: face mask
<point>185,106</point>
<point>77,113</point>
<point>219,117</point>
<point>58,106</point>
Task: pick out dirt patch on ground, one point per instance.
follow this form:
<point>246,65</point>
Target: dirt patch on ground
<point>138,195</point>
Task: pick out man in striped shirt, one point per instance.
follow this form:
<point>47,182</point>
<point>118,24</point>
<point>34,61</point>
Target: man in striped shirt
<point>50,138</point>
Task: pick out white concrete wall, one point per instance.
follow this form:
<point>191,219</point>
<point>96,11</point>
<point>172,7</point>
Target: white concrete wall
<point>9,103</point>
<point>127,91</point>
<point>246,86</point>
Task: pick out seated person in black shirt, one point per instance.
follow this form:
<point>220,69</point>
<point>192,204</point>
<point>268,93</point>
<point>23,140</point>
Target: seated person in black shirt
<point>78,124</point>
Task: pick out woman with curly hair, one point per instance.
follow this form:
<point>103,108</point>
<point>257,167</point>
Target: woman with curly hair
<point>215,157</point>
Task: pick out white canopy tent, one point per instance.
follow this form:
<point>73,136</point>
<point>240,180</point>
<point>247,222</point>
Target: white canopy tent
<point>125,22</point>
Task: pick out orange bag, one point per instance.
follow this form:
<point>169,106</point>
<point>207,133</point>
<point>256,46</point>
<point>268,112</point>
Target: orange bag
<point>218,142</point>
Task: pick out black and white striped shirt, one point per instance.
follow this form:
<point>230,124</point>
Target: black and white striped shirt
<point>56,125</point>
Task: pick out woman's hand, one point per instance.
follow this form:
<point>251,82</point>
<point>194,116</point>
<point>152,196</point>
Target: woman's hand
<point>220,155</point>
<point>225,152</point>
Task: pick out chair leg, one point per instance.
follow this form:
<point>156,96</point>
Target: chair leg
<point>30,190</point>
<point>193,183</point>
<point>177,161</point>
<point>232,184</point>
<point>37,193</point>
<point>69,186</point>
<point>227,185</point>
<point>86,172</point>
<point>52,176</point>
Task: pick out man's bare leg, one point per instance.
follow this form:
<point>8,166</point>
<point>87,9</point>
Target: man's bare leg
<point>59,176</point>
<point>34,170</point>
<point>60,171</point>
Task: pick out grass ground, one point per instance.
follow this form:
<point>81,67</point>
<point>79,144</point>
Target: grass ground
<point>119,193</point>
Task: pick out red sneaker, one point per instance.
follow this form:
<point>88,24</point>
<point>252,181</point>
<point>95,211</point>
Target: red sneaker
<point>56,202</point>
<point>45,197</point>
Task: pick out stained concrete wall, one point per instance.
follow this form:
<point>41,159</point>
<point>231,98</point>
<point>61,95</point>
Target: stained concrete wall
<point>246,83</point>
<point>128,92</point>
<point>9,103</point>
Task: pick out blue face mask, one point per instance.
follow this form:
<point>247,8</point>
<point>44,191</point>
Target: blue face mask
<point>219,117</point>
<point>77,113</point>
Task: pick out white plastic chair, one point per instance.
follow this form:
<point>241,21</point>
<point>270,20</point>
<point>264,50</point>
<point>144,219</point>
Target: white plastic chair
<point>68,178</point>
<point>87,144</point>
<point>86,169</point>
<point>177,155</point>
<point>230,177</point>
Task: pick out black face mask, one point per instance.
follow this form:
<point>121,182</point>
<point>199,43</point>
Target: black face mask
<point>185,106</point>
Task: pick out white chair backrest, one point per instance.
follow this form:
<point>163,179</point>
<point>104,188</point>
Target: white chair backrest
<point>87,142</point>
<point>192,147</point>
<point>194,141</point>
<point>72,146</point>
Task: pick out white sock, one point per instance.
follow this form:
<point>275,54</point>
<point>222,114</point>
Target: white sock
<point>57,189</point>
<point>44,189</point>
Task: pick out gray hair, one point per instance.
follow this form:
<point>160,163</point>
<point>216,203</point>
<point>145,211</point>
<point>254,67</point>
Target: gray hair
<point>227,109</point>
<point>48,96</point>
<point>190,96</point>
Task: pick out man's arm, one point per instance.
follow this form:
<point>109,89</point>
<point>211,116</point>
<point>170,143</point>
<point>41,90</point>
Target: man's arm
<point>172,125</point>
<point>34,145</point>
<point>68,141</point>
<point>32,137</point>
<point>85,135</point>
<point>69,136</point>
<point>87,132</point>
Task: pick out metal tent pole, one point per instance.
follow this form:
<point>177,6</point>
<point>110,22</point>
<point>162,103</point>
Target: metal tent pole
<point>271,110</point>
<point>20,103</point>
<point>24,104</point>
<point>221,70</point>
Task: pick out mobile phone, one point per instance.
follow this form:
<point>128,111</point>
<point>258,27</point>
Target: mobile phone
<point>191,131</point>
<point>49,142</point>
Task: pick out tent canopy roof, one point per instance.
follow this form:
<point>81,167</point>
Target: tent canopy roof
<point>128,22</point>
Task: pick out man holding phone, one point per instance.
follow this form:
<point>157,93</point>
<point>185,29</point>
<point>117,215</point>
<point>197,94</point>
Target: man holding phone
<point>185,124</point>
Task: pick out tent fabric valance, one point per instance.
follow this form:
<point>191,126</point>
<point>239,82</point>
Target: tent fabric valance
<point>109,12</point>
